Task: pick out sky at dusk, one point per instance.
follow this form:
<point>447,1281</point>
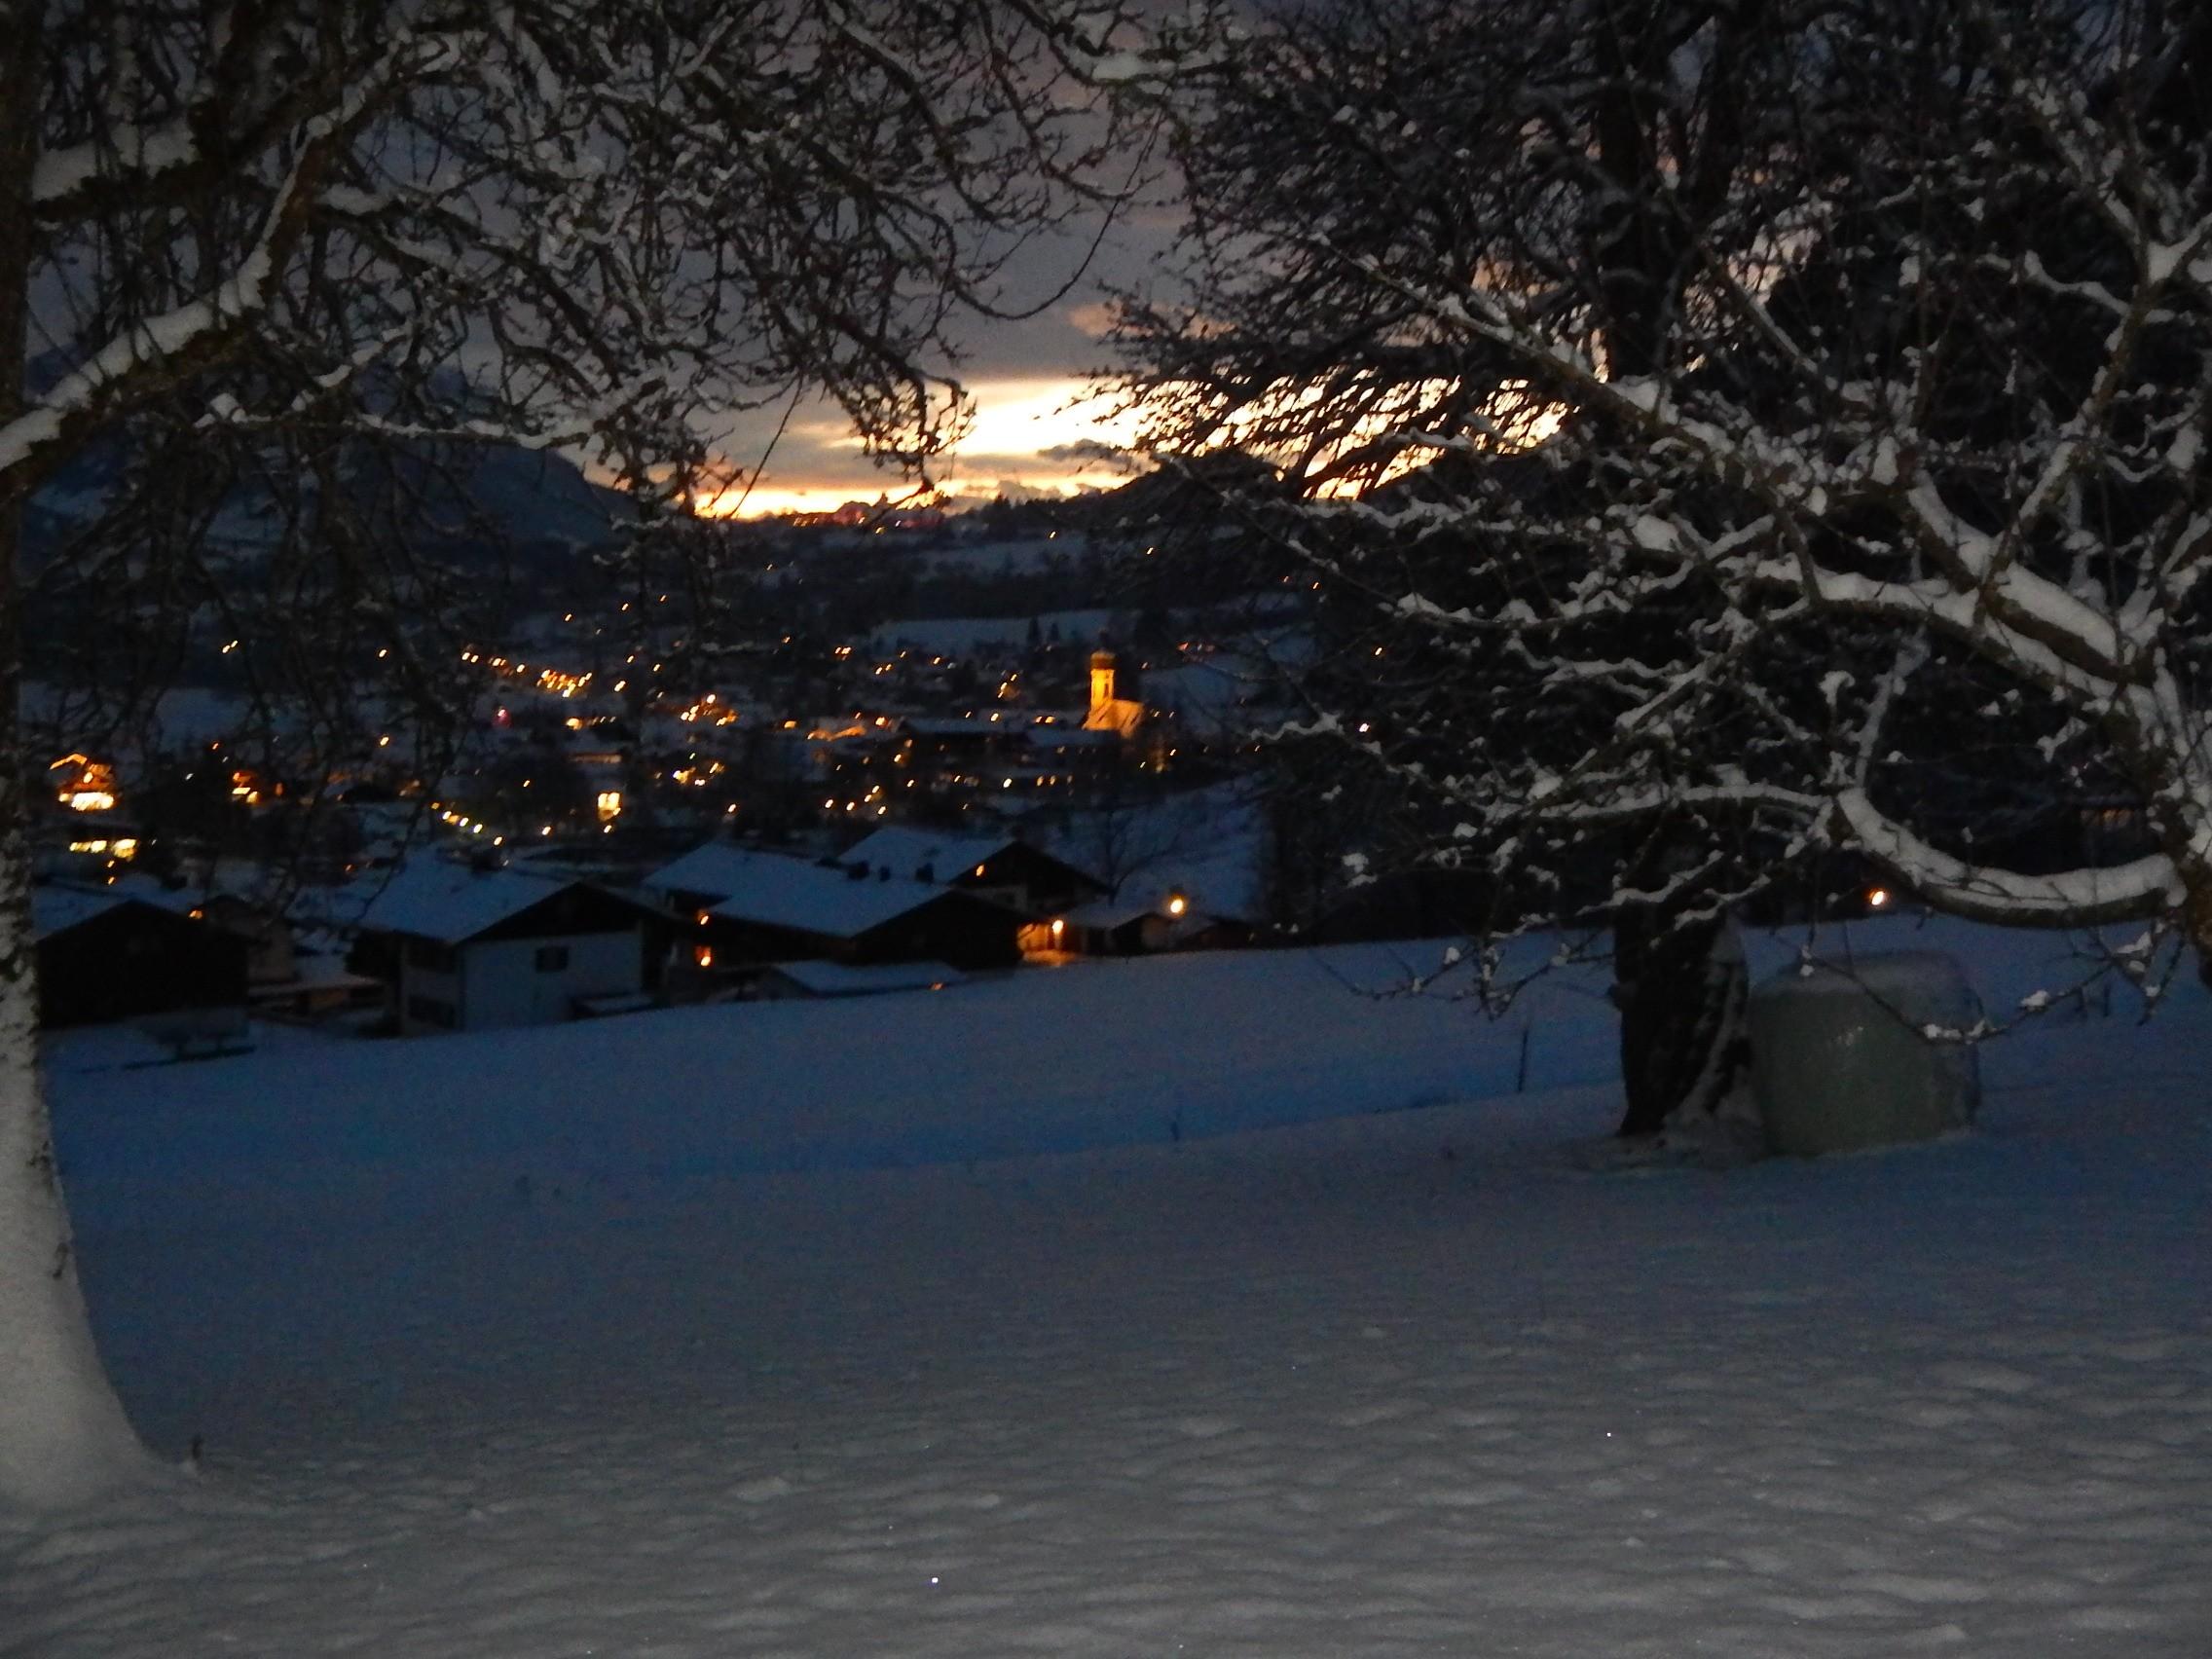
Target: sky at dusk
<point>1037,412</point>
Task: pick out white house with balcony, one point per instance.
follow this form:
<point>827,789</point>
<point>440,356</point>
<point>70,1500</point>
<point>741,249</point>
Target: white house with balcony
<point>472,949</point>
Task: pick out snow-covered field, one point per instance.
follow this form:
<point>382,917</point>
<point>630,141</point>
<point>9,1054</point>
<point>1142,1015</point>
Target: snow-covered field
<point>910,1327</point>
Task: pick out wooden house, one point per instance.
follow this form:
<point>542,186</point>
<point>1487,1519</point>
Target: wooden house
<point>469,949</point>
<point>998,866</point>
<point>104,955</point>
<point>748,907</point>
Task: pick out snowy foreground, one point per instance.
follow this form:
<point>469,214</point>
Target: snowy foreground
<point>757,1331</point>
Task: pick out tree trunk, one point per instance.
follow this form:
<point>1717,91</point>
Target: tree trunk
<point>63,1433</point>
<point>1681,987</point>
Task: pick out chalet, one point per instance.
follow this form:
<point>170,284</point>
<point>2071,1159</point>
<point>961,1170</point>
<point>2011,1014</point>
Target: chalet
<point>1137,928</point>
<point>995,866</point>
<point>1209,907</point>
<point>103,955</point>
<point>755,908</point>
<point>464,948</point>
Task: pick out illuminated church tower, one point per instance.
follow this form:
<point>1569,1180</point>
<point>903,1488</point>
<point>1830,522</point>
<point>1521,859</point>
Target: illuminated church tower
<point>1114,704</point>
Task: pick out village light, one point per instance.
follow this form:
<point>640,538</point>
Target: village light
<point>1060,927</point>
<point>1878,899</point>
<point>1177,903</point>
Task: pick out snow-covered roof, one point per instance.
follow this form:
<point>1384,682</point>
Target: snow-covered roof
<point>775,890</point>
<point>57,910</point>
<point>1110,913</point>
<point>148,891</point>
<point>904,850</point>
<point>434,899</point>
<point>842,979</point>
<point>323,970</point>
<point>714,867</point>
<point>780,890</point>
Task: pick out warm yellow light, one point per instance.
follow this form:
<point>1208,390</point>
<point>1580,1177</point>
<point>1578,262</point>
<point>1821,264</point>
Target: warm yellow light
<point>88,800</point>
<point>1878,899</point>
<point>610,805</point>
<point>124,847</point>
<point>703,956</point>
<point>1059,926</point>
<point>1177,904</point>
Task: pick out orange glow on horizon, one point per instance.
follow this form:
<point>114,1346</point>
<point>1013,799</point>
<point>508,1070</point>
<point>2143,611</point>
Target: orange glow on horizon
<point>769,500</point>
<point>1016,422</point>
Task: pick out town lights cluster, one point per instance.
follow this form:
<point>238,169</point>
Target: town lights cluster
<point>469,825</point>
<point>555,681</point>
